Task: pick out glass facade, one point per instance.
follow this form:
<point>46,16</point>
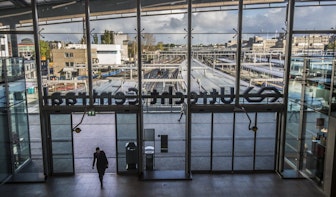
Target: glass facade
<point>15,138</point>
<point>194,87</point>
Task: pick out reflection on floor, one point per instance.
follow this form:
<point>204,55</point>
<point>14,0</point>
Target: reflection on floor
<point>235,185</point>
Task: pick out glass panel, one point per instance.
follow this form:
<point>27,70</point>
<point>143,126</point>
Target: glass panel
<point>214,51</point>
<point>293,114</point>
<point>20,130</point>
<point>315,126</point>
<point>333,91</point>
<point>114,52</point>
<point>201,142</point>
<point>5,159</point>
<point>4,50</point>
<point>309,93</point>
<point>265,142</point>
<point>164,59</point>
<point>311,15</point>
<point>61,142</point>
<point>222,141</point>
<point>127,148</point>
<point>15,69</point>
<point>164,72</point>
<point>96,131</point>
<point>243,142</point>
<point>167,146</point>
<point>263,49</point>
<point>35,141</point>
<point>63,63</point>
<point>315,115</point>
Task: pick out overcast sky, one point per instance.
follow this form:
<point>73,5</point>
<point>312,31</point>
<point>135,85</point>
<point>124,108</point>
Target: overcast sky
<point>208,27</point>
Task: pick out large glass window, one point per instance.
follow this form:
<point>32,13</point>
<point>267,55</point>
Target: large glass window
<point>19,123</point>
<point>164,72</point>
<point>222,141</point>
<point>114,65</point>
<point>15,132</point>
<point>61,141</point>
<point>313,15</point>
<point>214,50</point>
<point>309,101</point>
<point>126,143</point>
<point>201,142</point>
<point>60,37</point>
<point>5,160</point>
<point>263,48</point>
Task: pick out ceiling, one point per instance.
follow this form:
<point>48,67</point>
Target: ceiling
<point>19,11</point>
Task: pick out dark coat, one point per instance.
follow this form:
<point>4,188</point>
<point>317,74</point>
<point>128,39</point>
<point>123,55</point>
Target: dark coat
<point>102,162</point>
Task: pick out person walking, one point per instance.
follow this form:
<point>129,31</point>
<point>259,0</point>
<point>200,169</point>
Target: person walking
<point>183,110</point>
<point>102,163</point>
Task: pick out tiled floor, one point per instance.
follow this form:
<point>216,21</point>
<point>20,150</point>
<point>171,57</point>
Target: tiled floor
<point>235,185</point>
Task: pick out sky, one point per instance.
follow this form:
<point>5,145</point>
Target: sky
<point>208,27</point>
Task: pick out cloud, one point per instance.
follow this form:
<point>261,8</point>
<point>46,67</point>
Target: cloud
<point>314,18</point>
<point>265,20</point>
<point>214,21</point>
<point>208,27</point>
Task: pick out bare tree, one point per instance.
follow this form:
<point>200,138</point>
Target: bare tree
<point>148,42</point>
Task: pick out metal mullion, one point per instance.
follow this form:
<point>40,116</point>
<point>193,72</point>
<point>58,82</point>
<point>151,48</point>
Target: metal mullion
<point>88,50</point>
<point>9,115</point>
<point>233,140</point>
<point>16,32</point>
<point>140,112</point>
<point>330,31</point>
<point>211,141</point>
<point>255,141</point>
<point>44,117</point>
<point>288,54</point>
<point>239,45</point>
<point>188,115</point>
<point>72,145</point>
<point>303,116</point>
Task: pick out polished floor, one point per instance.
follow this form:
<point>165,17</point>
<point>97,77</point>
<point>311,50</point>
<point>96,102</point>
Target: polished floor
<point>235,185</point>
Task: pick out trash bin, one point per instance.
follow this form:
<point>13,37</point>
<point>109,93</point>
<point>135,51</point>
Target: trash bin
<point>149,152</point>
<point>131,155</point>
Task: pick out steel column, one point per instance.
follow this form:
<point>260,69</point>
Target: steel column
<point>288,54</point>
<point>188,115</point>
<point>43,118</point>
<point>239,45</point>
<point>140,111</point>
<point>88,50</point>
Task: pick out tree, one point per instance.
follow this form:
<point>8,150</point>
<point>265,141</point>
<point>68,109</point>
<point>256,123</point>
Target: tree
<point>44,49</point>
<point>132,49</point>
<point>160,46</point>
<point>95,39</point>
<point>107,37</point>
<point>148,42</point>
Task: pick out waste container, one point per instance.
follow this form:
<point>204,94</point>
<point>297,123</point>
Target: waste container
<point>131,155</point>
<point>149,152</point>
